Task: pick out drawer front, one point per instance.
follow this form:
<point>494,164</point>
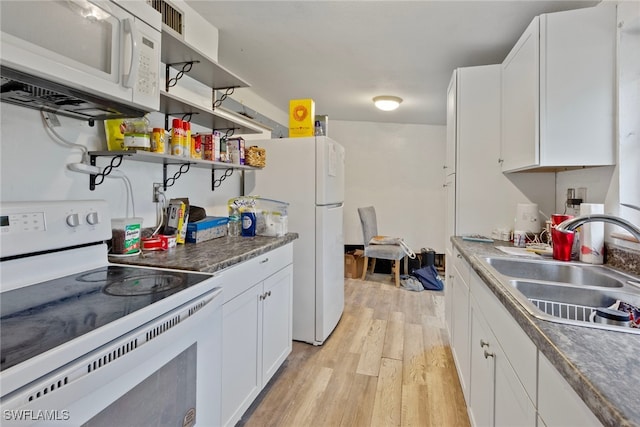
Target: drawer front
<point>240,277</point>
<point>517,346</point>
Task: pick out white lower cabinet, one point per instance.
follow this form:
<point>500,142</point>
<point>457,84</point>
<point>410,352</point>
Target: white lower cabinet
<point>276,322</point>
<point>497,397</point>
<point>558,403</point>
<point>482,396</point>
<point>257,329</point>
<point>460,323</point>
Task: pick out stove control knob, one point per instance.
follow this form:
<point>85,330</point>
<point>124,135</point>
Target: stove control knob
<point>73,220</point>
<point>92,218</point>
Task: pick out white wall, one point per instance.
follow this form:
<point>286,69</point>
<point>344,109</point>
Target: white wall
<point>398,169</point>
<point>33,167</point>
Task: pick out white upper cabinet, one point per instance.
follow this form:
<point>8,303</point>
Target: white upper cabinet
<point>629,104</point>
<point>558,92</point>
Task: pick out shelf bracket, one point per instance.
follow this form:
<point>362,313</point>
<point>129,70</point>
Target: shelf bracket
<point>218,102</point>
<point>215,183</point>
<point>186,67</point>
<point>168,182</point>
<point>97,179</point>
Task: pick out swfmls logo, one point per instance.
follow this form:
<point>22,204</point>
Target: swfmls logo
<point>36,415</point>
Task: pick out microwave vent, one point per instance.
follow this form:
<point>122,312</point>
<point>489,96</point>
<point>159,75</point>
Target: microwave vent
<point>171,16</point>
<point>29,91</point>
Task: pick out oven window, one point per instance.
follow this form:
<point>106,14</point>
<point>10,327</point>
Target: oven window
<point>167,397</point>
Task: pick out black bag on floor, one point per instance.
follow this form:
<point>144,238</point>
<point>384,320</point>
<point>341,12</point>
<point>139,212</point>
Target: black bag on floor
<point>429,278</point>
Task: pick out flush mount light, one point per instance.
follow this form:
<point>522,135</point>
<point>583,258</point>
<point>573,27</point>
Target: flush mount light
<point>387,103</point>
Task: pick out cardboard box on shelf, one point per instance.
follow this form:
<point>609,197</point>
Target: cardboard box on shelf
<point>302,114</point>
<point>353,264</point>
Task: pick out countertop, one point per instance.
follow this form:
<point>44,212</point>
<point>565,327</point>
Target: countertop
<point>601,366</point>
<point>210,256</point>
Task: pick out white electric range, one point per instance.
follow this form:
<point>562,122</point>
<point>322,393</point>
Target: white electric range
<point>87,342</point>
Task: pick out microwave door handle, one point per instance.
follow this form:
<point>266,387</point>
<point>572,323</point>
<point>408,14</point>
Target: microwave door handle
<point>131,77</point>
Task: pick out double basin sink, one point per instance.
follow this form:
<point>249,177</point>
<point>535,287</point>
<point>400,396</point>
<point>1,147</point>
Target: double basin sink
<point>565,292</point>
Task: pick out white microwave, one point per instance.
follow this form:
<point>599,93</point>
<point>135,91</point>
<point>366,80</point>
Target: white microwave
<point>93,58</point>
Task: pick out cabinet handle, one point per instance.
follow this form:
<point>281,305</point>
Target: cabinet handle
<point>261,297</point>
<point>488,355</point>
<point>483,343</point>
<point>500,161</point>
<point>264,260</point>
<point>269,293</point>
<point>459,256</point>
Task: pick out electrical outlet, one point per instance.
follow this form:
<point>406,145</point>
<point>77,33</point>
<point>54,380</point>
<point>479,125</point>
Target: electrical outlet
<point>156,192</point>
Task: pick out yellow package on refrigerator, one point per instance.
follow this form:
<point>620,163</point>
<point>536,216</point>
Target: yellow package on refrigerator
<point>302,113</point>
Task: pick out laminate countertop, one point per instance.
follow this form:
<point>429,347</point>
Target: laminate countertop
<point>601,366</point>
<point>210,256</point>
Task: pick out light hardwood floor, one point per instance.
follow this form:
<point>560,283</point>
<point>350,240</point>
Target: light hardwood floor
<point>387,363</point>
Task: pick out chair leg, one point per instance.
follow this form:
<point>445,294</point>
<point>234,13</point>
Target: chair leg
<point>396,272</point>
<point>373,264</point>
<point>364,268</point>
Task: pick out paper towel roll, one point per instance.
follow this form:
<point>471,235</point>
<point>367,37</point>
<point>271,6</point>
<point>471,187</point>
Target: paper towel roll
<point>592,235</point>
<point>527,218</point>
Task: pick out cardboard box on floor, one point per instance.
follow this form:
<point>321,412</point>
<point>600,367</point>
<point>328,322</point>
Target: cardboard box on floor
<point>353,264</point>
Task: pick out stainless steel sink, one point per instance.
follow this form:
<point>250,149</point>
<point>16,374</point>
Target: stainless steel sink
<point>564,292</point>
<point>555,271</point>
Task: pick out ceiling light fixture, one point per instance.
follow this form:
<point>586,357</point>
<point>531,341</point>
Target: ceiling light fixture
<point>387,103</point>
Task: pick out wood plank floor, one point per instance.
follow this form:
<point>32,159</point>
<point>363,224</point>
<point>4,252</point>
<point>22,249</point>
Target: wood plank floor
<point>388,363</point>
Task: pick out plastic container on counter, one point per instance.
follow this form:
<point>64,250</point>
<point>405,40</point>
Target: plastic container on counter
<point>126,234</point>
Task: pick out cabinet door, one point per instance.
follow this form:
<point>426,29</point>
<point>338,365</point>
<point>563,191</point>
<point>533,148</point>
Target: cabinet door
<point>460,341</point>
<point>513,408</point>
<point>481,394</point>
<point>520,102</point>
<point>450,219</point>
<point>241,343</point>
<point>450,159</point>
<point>448,295</point>
<point>558,404</point>
<point>276,321</point>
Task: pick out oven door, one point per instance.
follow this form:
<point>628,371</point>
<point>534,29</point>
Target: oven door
<point>166,372</point>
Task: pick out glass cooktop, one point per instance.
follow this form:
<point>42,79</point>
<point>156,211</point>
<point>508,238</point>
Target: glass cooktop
<point>39,317</point>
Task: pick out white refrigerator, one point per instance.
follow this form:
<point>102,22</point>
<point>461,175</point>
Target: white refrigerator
<point>308,173</point>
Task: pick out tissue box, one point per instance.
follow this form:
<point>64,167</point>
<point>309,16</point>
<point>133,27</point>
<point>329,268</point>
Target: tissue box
<point>208,228</point>
<point>302,113</point>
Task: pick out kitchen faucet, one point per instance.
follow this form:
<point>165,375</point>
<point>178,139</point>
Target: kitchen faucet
<point>569,225</point>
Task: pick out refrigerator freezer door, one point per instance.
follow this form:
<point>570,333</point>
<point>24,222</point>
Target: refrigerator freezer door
<point>329,269</point>
<point>329,171</point>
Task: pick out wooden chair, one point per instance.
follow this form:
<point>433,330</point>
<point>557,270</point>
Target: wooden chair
<point>390,252</point>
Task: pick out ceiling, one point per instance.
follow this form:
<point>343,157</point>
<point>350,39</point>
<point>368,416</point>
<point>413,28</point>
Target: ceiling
<point>343,53</point>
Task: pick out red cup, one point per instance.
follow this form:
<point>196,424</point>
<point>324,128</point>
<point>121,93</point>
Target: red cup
<point>562,244</point>
<point>557,219</point>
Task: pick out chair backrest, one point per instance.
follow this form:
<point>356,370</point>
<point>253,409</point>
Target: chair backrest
<point>369,223</point>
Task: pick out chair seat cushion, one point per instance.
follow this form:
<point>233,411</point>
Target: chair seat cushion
<point>393,252</point>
